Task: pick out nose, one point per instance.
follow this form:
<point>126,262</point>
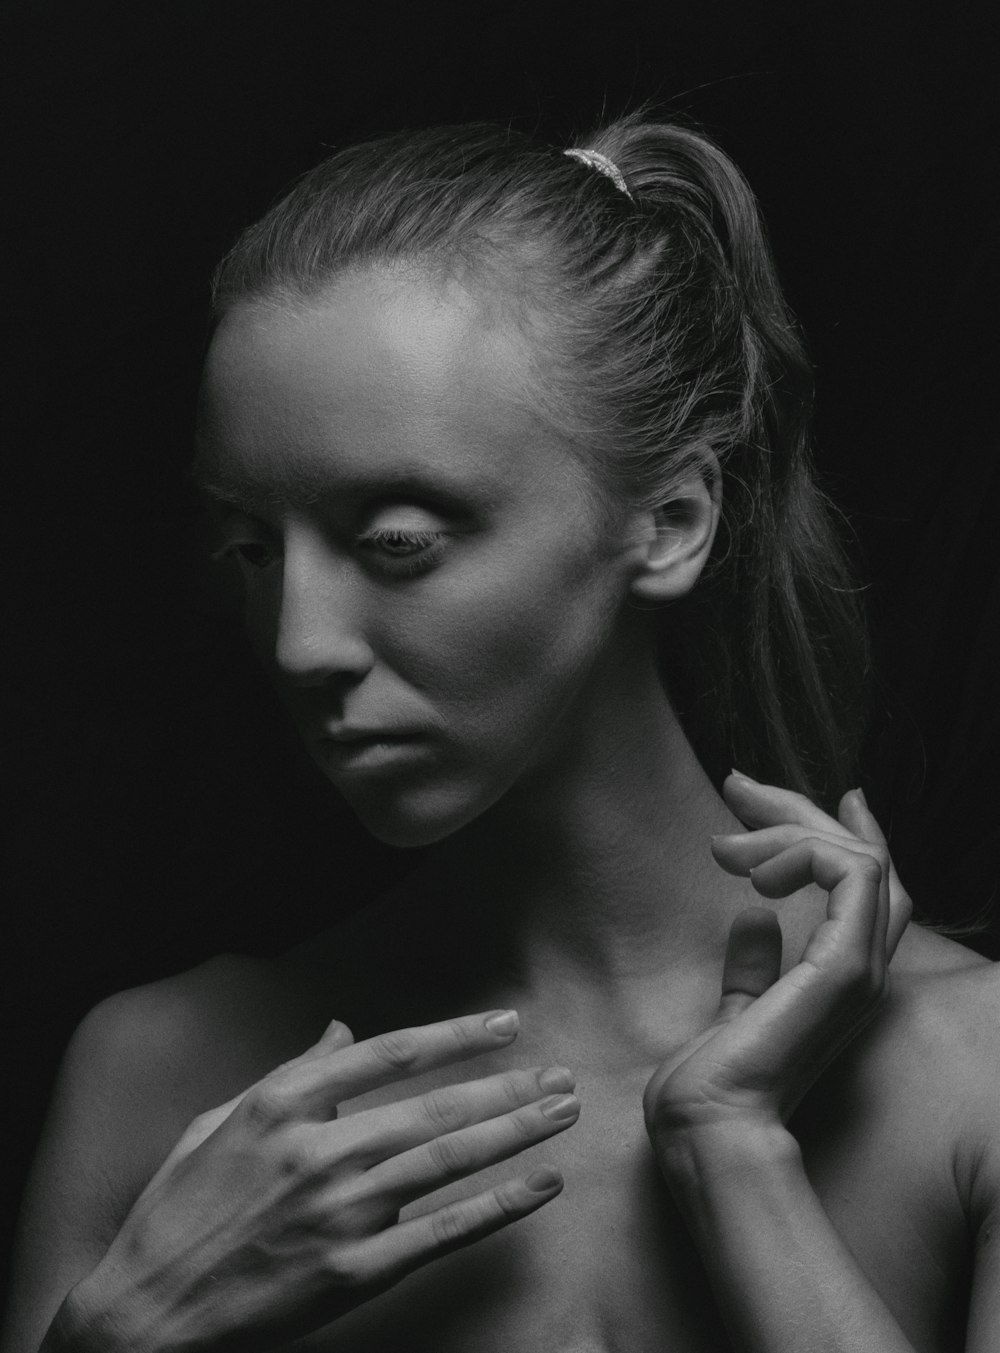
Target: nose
<point>319,634</point>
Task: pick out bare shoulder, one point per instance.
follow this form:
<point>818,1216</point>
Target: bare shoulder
<point>910,1112</point>
<point>159,1054</point>
<point>934,1049</point>
<point>139,1067</point>
<point>144,1062</point>
<point>944,1004</point>
<point>949,997</point>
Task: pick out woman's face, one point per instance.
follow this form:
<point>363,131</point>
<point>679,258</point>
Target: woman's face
<point>423,573</point>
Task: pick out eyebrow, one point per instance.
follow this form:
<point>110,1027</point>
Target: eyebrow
<point>251,495</point>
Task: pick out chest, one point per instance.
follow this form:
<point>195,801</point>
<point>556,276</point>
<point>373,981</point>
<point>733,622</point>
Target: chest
<point>608,1267</point>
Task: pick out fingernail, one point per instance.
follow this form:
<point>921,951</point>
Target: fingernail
<point>504,1024</point>
<point>861,795</point>
<point>543,1181</point>
<point>557,1078</point>
<point>560,1107</point>
<point>742,775</point>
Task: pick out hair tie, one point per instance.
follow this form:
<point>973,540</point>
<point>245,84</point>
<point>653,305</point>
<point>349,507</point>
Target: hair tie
<point>604,166</point>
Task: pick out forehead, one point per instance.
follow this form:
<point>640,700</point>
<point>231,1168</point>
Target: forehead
<point>383,376</point>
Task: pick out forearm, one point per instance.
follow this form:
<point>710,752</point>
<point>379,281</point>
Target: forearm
<point>784,1280</point>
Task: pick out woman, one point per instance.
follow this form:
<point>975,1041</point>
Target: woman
<point>510,448</point>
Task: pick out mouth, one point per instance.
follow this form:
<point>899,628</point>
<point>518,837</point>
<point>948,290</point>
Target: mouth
<point>361,750</point>
<point>348,737</point>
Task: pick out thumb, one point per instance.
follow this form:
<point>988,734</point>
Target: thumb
<point>753,959</point>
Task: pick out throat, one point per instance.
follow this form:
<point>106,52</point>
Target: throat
<point>598,873</point>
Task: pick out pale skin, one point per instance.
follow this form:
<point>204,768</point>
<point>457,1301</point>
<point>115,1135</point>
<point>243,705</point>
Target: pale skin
<point>764,1148</point>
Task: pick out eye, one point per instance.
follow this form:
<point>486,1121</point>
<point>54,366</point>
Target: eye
<point>401,551</point>
<point>247,540</point>
<point>253,552</point>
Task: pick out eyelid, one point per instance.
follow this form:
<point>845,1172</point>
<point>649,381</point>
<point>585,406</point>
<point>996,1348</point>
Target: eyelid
<point>404,514</point>
<point>236,527</point>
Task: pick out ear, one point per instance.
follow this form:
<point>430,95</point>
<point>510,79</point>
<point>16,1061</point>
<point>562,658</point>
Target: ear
<point>676,538</point>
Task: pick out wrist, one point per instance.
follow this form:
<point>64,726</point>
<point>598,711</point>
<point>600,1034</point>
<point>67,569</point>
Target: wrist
<point>88,1321</point>
<point>731,1149</point>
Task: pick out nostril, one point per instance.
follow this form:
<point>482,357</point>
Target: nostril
<point>323,658</point>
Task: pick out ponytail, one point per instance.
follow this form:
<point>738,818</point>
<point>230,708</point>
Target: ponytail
<point>766,659</point>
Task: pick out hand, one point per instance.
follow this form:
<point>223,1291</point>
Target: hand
<point>272,1217</point>
<point>772,1036</point>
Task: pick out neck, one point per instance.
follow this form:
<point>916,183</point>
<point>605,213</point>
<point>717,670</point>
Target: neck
<point>597,865</point>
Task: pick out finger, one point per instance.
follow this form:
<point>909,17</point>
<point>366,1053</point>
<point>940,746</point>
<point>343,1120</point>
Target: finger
<point>745,852</point>
<point>739,852</point>
<point>753,959</point>
<point>849,814</point>
<point>852,813</point>
<point>813,859</point>
<point>779,860</point>
<point>865,823</point>
<point>851,878</point>
<point>400,1249</point>
<point>314,1086</point>
<point>377,1134</point>
<point>761,805</point>
<point>456,1155</point>
<point>336,1035</point>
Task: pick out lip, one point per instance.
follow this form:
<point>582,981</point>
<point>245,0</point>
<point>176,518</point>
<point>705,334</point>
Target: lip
<point>356,750</point>
<point>351,736</point>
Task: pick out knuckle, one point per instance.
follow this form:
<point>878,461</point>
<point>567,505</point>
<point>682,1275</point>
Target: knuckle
<point>269,1102</point>
<point>356,1213</point>
<point>814,844</point>
<point>463,1035</point>
<point>449,1156</point>
<point>525,1125</point>
<point>513,1093</point>
<point>444,1111</point>
<point>870,869</point>
<point>449,1226</point>
<point>398,1050</point>
<point>299,1156</point>
<point>345,1268</point>
<point>502,1204</point>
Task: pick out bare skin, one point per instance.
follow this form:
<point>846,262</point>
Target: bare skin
<point>609,1265</point>
<point>571,877</point>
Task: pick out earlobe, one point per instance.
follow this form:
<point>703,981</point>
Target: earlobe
<point>677,538</point>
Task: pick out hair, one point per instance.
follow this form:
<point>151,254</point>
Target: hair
<point>660,339</point>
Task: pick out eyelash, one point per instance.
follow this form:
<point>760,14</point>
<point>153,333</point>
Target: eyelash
<point>420,550</point>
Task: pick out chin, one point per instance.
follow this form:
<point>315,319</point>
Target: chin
<point>419,817</point>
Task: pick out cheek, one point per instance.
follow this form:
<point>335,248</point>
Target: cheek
<point>501,646</point>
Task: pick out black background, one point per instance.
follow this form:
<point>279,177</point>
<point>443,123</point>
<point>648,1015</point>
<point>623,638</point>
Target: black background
<point>158,811</point>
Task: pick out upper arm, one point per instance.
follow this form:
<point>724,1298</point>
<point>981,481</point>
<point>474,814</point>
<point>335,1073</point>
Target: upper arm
<point>92,1160</point>
<point>984,1310</point>
<point>138,1068</point>
<point>983,1335</point>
